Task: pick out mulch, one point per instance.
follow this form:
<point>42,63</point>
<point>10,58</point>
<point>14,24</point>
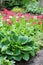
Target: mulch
<point>37,60</point>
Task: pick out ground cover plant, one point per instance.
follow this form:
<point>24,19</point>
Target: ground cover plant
<point>18,33</point>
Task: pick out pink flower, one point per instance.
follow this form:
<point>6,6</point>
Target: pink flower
<point>26,15</point>
<point>4,18</point>
<point>19,15</point>
<point>39,23</point>
<point>7,12</point>
<point>40,17</point>
<point>10,13</point>
<point>9,22</point>
<point>17,20</point>
<point>33,23</point>
<point>31,16</point>
<point>22,16</point>
<point>35,17</point>
<point>26,19</point>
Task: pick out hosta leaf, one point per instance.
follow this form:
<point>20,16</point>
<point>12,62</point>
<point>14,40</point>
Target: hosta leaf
<point>27,48</point>
<point>0,45</point>
<point>31,43</point>
<point>1,58</point>
<point>4,48</point>
<point>14,36</point>
<point>1,36</point>
<point>36,48</point>
<point>8,52</point>
<point>26,56</point>
<point>18,58</point>
<point>17,52</point>
<point>32,53</point>
<point>3,39</point>
<point>23,39</point>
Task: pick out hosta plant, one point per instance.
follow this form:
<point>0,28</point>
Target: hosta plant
<point>15,46</point>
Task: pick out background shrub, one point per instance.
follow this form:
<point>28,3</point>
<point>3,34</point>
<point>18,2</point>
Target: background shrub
<point>33,7</point>
<point>12,3</point>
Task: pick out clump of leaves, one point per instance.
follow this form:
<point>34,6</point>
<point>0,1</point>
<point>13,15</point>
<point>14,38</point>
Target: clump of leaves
<point>18,9</point>
<point>34,7</point>
<point>4,61</point>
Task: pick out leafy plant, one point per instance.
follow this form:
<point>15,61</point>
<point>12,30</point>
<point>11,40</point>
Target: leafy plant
<point>12,3</point>
<point>17,48</point>
<point>34,7</point>
<point>4,61</point>
<point>18,9</point>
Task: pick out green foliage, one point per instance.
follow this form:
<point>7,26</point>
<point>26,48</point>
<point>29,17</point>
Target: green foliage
<point>24,2</point>
<point>15,46</point>
<point>9,4</point>
<point>16,42</point>
<point>34,7</point>
<point>4,61</point>
<point>39,39</point>
<point>18,9</point>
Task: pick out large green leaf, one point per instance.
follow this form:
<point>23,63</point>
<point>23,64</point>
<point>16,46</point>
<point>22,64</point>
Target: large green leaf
<point>3,40</point>
<point>17,58</point>
<point>4,48</point>
<point>17,52</point>
<point>8,52</point>
<point>23,39</point>
<point>26,56</point>
<point>27,48</point>
<point>32,53</point>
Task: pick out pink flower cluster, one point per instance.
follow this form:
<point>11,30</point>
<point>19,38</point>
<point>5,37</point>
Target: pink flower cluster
<point>8,14</point>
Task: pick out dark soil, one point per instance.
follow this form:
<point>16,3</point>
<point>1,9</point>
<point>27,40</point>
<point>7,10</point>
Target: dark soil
<point>37,60</point>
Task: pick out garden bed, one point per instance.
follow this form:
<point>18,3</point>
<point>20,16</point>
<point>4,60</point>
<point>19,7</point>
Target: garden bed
<point>18,36</point>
